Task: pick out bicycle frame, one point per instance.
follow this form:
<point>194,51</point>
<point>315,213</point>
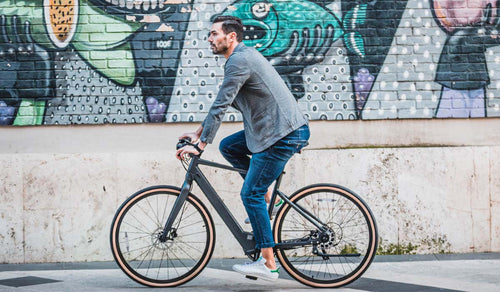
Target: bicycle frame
<point>245,239</point>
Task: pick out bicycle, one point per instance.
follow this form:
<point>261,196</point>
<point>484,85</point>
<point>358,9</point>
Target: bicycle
<point>163,236</point>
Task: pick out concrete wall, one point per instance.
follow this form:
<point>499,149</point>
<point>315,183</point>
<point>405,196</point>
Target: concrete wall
<point>431,183</point>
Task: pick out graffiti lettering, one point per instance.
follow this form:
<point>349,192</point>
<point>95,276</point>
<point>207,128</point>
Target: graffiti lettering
<point>164,44</point>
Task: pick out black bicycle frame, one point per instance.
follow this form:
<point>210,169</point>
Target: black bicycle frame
<point>245,239</point>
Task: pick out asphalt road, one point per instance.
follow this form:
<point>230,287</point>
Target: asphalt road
<point>465,272</point>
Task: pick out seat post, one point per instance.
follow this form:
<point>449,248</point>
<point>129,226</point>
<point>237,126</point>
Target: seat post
<point>278,181</point>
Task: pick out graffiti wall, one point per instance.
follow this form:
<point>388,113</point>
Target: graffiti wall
<point>148,61</point>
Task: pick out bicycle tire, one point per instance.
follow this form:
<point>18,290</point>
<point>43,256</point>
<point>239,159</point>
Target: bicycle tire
<point>352,231</point>
<point>137,250</point>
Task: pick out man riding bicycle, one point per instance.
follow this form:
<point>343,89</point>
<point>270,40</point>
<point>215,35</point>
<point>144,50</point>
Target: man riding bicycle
<point>274,130</point>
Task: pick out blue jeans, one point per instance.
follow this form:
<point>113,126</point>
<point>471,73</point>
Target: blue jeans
<point>263,169</point>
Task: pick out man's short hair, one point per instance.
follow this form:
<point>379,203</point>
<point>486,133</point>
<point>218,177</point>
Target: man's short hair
<point>231,24</point>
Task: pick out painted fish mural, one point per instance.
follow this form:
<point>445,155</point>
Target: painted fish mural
<point>296,34</point>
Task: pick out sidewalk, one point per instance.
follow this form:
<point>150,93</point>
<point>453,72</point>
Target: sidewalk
<point>461,272</point>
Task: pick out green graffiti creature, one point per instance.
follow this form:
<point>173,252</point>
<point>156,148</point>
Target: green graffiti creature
<point>30,29</point>
<point>298,33</point>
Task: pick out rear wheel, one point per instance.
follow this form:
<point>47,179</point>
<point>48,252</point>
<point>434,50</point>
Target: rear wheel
<point>136,230</point>
<point>340,254</point>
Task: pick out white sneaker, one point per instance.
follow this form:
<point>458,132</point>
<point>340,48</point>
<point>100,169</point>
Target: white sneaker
<point>276,208</point>
<point>258,269</point>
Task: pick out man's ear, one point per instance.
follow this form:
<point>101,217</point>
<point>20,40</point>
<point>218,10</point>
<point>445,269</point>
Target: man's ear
<point>232,36</point>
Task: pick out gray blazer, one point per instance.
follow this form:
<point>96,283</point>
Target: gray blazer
<point>252,86</point>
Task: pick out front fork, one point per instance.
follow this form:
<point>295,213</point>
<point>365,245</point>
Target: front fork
<point>169,232</point>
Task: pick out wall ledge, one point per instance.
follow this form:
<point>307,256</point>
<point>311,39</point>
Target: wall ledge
<point>325,135</point>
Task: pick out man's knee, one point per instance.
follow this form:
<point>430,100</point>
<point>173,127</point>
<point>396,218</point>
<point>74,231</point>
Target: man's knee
<point>224,146</point>
<point>252,195</point>
<point>249,200</point>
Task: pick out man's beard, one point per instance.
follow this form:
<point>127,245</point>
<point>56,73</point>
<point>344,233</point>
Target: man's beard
<point>219,51</point>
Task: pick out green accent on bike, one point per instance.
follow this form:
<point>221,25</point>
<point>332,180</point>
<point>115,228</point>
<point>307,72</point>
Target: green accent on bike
<point>279,203</point>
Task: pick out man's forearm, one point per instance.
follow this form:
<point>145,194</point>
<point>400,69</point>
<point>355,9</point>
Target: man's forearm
<point>198,132</point>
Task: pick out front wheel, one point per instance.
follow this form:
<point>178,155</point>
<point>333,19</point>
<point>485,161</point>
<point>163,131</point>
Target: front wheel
<point>135,238</point>
<point>335,256</point>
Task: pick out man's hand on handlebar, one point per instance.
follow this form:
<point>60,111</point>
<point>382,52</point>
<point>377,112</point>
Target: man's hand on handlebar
<point>185,148</point>
<point>185,151</point>
<point>189,144</point>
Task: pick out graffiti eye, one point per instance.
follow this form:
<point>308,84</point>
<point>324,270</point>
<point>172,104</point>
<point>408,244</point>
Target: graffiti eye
<point>260,10</point>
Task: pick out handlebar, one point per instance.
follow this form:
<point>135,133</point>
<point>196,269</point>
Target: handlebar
<point>183,142</point>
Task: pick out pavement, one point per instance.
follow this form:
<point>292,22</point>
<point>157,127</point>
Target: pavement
<point>444,272</point>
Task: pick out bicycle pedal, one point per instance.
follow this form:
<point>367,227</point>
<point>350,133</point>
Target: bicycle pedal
<point>251,277</point>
